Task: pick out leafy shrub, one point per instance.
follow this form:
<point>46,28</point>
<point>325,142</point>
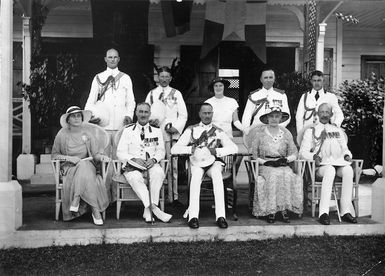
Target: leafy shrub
<point>362,102</point>
<point>53,87</point>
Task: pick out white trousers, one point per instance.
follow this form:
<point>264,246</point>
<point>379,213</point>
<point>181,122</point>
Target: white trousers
<point>328,172</point>
<point>215,172</point>
<point>137,182</point>
<point>172,179</point>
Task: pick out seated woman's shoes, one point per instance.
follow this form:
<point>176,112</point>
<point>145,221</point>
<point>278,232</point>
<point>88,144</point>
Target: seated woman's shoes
<point>349,218</point>
<point>75,205</point>
<point>324,219</point>
<point>285,217</point>
<point>160,214</point>
<point>193,223</point>
<point>97,218</point>
<point>270,218</point>
<point>222,223</point>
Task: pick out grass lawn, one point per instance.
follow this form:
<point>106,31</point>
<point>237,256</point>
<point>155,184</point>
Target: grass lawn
<point>327,255</point>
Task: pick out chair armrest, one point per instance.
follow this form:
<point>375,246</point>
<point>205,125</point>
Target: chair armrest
<point>300,167</point>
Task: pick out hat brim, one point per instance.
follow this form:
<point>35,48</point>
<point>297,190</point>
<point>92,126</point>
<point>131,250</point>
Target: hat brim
<point>225,83</point>
<point>86,117</point>
<point>203,163</point>
<point>285,117</point>
<point>100,110</point>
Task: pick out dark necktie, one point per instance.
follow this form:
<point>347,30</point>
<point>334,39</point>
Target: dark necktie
<point>316,96</point>
<point>142,134</point>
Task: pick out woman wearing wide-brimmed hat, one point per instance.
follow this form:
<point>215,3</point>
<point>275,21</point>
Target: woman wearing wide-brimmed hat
<point>77,145</point>
<point>278,189</point>
<point>225,108</point>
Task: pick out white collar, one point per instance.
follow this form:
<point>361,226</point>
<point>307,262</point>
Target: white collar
<point>209,126</point>
<point>112,72</point>
<point>140,126</point>
<point>320,92</point>
<point>271,89</point>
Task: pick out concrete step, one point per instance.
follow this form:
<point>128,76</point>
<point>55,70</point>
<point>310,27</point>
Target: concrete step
<point>45,158</point>
<point>43,179</point>
<point>44,168</point>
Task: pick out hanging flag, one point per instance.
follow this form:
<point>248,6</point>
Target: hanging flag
<point>213,28</point>
<point>235,20</point>
<point>255,28</point>
<point>176,16</point>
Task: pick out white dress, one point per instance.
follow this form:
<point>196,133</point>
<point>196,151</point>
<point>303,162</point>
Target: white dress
<point>223,109</point>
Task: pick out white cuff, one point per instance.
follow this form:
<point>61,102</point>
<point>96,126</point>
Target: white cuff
<point>239,125</point>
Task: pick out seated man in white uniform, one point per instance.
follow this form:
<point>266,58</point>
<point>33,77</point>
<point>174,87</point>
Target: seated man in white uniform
<point>142,146</point>
<point>207,144</point>
<point>327,146</point>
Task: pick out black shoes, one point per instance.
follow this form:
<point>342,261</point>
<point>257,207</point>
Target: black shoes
<point>285,217</point>
<point>222,223</point>
<point>177,204</point>
<point>349,218</point>
<point>271,218</point>
<point>324,219</point>
<point>193,223</point>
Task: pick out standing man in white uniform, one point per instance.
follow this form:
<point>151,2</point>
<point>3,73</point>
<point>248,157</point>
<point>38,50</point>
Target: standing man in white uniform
<point>144,145</point>
<point>311,100</point>
<point>327,146</point>
<point>170,114</point>
<point>111,98</point>
<point>261,99</point>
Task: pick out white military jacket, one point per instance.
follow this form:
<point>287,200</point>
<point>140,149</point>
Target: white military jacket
<point>308,107</point>
<point>132,146</point>
<point>311,143</point>
<point>216,139</point>
<point>258,102</point>
<point>119,98</point>
<point>175,108</point>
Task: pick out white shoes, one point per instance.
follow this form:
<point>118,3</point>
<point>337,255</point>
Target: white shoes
<point>160,214</point>
<point>75,205</point>
<point>147,215</point>
<point>97,218</point>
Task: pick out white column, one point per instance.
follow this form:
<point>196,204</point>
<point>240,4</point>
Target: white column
<point>26,138</point>
<point>6,90</point>
<point>319,65</point>
<point>10,191</point>
<point>339,40</point>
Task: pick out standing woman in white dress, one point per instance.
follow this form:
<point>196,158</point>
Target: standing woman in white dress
<point>225,108</point>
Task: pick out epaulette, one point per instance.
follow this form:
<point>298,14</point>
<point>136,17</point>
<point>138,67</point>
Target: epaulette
<point>129,125</point>
<point>255,91</point>
<point>217,128</point>
<point>192,126</point>
<point>279,90</point>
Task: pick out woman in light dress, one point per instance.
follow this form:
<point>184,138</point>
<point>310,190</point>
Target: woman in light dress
<point>277,189</point>
<point>77,145</point>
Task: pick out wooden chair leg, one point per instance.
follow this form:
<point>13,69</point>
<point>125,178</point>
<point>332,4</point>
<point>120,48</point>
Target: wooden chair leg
<point>355,202</point>
<point>235,198</point>
<point>335,199</point>
<point>57,210</point>
<point>162,199</point>
<point>313,205</point>
<point>104,215</point>
<point>118,205</point>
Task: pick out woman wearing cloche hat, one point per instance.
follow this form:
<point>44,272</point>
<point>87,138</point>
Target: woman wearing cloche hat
<point>77,145</point>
